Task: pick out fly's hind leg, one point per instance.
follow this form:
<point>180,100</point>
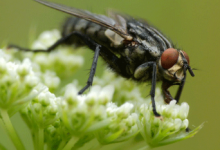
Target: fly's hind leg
<point>87,41</point>
<point>62,40</point>
<point>153,87</point>
<point>49,49</point>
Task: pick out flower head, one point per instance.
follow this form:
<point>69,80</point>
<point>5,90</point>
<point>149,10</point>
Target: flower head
<point>17,84</point>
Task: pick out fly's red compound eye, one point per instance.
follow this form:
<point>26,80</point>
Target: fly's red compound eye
<point>169,58</point>
<point>186,56</point>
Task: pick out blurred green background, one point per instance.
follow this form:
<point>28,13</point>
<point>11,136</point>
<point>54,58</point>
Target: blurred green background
<point>193,25</point>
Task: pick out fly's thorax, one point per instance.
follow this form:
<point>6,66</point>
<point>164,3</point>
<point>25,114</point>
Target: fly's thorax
<point>151,42</point>
<point>150,47</point>
<point>171,64</point>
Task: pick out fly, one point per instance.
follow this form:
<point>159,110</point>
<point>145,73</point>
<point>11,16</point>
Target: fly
<point>132,49</point>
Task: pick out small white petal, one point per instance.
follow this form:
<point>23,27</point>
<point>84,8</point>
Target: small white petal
<point>31,80</point>
<point>43,99</point>
<point>52,110</point>
<point>185,123</point>
<point>92,96</point>
<point>125,109</point>
<point>106,94</point>
<point>177,123</point>
<point>183,110</point>
<point>24,68</point>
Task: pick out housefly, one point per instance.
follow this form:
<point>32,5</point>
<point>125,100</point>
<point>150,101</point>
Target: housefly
<point>132,48</point>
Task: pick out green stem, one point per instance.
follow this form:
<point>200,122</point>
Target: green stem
<point>71,143</point>
<point>2,124</point>
<point>41,138</point>
<point>49,147</point>
<point>62,144</point>
<point>93,145</point>
<point>144,148</point>
<point>2,147</point>
<point>89,144</point>
<point>96,146</point>
<point>11,131</point>
<point>35,138</point>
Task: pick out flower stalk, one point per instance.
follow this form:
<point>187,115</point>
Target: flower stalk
<point>70,143</point>
<point>41,138</point>
<point>11,131</point>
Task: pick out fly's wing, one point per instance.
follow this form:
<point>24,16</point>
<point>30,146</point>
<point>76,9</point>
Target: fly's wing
<point>119,18</point>
<point>102,20</point>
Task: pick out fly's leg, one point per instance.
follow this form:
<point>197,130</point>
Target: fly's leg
<point>117,64</point>
<point>141,70</point>
<point>167,84</point>
<point>49,49</point>
<point>188,129</point>
<point>92,70</point>
<point>166,94</point>
<point>180,89</point>
<point>153,87</point>
<point>91,44</point>
<point>139,73</point>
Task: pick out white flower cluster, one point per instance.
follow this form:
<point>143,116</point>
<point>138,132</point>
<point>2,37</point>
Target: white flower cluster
<point>91,112</point>
<point>160,132</point>
<point>51,80</point>
<point>42,110</point>
<point>17,81</point>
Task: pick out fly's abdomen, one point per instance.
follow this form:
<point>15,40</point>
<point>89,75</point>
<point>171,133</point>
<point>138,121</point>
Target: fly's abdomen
<point>92,30</point>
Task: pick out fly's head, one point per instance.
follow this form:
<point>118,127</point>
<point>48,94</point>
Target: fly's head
<point>173,65</point>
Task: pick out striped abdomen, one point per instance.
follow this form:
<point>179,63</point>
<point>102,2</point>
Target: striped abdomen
<point>94,31</point>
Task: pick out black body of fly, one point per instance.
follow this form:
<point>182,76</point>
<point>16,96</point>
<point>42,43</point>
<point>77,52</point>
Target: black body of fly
<point>131,48</point>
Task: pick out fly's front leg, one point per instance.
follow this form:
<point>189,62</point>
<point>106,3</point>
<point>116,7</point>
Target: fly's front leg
<point>140,72</point>
<point>153,87</point>
<point>166,94</point>
<point>166,84</point>
<point>180,89</point>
